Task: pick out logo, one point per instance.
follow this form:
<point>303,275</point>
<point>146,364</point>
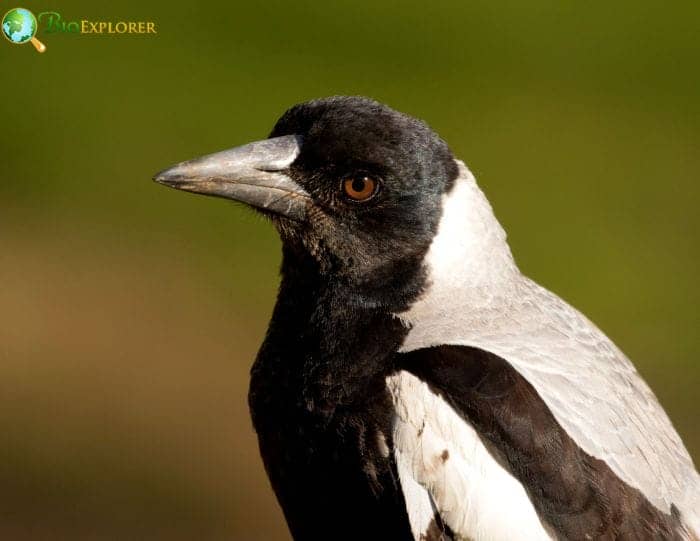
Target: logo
<point>19,26</point>
<point>55,23</point>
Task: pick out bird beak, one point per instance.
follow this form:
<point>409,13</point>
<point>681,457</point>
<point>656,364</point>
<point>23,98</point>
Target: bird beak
<point>254,174</point>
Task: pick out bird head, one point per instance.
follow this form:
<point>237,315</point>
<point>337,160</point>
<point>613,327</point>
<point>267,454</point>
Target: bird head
<point>347,181</point>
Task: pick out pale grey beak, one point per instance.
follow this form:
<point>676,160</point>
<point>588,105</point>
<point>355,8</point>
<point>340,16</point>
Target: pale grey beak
<point>253,174</point>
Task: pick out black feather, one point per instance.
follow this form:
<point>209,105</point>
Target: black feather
<point>578,496</point>
<point>318,395</point>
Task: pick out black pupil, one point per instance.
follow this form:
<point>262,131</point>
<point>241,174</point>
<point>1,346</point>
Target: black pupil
<point>358,184</point>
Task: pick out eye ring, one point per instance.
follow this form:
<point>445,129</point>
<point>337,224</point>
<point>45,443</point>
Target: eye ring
<point>360,188</point>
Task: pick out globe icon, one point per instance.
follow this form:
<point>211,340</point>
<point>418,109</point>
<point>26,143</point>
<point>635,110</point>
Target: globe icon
<point>19,26</point>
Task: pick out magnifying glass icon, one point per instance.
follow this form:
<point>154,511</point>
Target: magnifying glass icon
<point>19,26</point>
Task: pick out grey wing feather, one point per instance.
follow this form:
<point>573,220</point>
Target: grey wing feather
<point>591,387</point>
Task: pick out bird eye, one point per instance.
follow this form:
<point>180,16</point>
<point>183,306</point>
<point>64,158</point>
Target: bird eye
<point>360,188</point>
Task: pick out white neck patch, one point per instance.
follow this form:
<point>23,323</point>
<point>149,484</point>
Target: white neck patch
<point>470,265</point>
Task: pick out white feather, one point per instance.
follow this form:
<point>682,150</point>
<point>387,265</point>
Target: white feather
<point>478,297</point>
<point>436,449</point>
<point>419,506</point>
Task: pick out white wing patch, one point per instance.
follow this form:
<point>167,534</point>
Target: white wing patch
<point>439,452</point>
<point>419,505</point>
<point>477,297</point>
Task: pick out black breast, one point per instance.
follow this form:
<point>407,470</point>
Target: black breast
<point>323,415</point>
<point>332,473</point>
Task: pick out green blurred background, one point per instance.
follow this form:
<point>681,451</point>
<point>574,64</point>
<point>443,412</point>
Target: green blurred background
<point>130,313</point>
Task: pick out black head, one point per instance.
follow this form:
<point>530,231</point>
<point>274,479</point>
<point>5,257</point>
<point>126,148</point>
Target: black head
<point>347,181</point>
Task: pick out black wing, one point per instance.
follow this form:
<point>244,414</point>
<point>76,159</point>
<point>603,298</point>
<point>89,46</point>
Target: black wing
<point>575,495</point>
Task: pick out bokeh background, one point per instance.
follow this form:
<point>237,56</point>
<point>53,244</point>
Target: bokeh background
<point>130,313</point>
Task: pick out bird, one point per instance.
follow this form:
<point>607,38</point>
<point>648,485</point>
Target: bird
<point>413,384</point>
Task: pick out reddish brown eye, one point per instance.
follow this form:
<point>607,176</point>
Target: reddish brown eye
<point>359,188</point>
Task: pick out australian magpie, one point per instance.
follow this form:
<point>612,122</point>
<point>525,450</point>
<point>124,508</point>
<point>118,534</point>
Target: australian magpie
<point>413,384</point>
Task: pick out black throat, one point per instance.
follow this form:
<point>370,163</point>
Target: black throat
<point>320,404</point>
<point>330,340</point>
